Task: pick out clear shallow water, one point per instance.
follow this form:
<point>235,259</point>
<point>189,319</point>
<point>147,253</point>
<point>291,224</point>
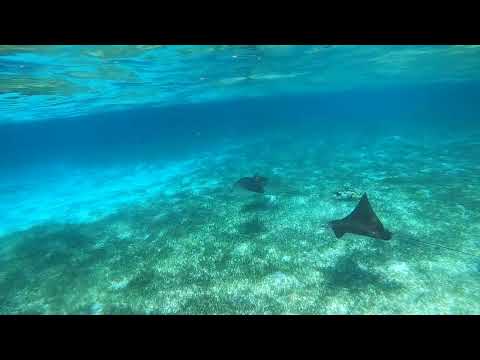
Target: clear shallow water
<point>118,164</point>
<point>77,80</point>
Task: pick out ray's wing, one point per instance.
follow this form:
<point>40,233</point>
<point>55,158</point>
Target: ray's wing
<point>364,214</point>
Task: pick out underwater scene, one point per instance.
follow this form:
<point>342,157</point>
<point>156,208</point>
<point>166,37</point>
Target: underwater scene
<point>261,179</point>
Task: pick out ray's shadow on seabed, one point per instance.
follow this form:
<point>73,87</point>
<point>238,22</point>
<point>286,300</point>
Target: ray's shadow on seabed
<point>348,274</point>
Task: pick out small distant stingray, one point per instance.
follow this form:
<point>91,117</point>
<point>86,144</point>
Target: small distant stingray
<point>361,221</point>
<point>255,183</point>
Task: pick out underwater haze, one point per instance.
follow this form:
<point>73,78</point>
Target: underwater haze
<point>119,169</point>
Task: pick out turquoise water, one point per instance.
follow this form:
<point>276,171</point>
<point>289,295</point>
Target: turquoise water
<point>118,165</point>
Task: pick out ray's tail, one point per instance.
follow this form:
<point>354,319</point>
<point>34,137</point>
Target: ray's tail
<point>444,247</point>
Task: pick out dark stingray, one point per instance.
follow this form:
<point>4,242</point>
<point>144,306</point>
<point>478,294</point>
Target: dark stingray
<point>255,183</point>
<point>361,221</point>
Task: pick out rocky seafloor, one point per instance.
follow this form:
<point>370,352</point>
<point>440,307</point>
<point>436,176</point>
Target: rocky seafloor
<point>207,248</point>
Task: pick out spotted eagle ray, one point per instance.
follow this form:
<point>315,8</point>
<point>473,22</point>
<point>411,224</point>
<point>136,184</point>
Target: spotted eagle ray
<point>255,183</point>
<point>361,221</point>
